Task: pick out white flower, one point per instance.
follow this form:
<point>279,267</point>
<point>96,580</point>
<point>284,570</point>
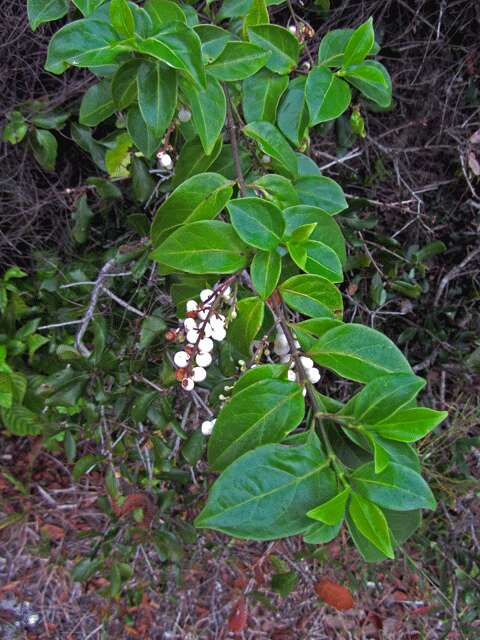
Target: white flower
<point>188,384</point>
<point>165,160</point>
<point>184,115</point>
<point>234,314</point>
<point>304,392</point>
<point>280,347</point>
<point>297,344</point>
<point>189,323</point>
<point>217,320</point>
<point>203,359</point>
<point>293,29</point>
<point>291,375</point>
<point>207,330</point>
<point>219,334</point>
<point>181,359</point>
<point>205,345</point>
<point>313,375</point>
<point>199,374</point>
<point>227,294</point>
<point>203,314</point>
<point>192,336</point>
<point>266,159</point>
<point>205,294</point>
<point>192,305</point>
<point>306,362</point>
<point>207,427</point>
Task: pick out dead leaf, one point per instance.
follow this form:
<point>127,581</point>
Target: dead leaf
<point>473,163</point>
<point>238,618</point>
<point>334,594</point>
<point>475,138</point>
<point>52,532</point>
<point>352,289</point>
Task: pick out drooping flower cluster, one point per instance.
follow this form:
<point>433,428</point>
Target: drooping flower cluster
<point>203,326</point>
<point>282,349</point>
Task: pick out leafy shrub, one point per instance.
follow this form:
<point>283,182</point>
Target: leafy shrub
<point>252,256</point>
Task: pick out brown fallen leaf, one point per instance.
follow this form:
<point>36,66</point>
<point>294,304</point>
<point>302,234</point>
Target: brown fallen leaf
<point>238,618</point>
<point>52,532</point>
<point>334,594</point>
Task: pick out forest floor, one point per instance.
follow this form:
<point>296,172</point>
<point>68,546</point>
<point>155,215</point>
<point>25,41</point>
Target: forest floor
<point>414,178</point>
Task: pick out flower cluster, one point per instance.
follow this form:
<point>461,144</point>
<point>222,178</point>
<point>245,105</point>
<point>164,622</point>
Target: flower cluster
<point>203,326</point>
<point>282,349</point>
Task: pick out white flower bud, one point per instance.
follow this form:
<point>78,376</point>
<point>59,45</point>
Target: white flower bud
<point>205,294</point>
<point>205,345</point>
<point>266,159</point>
<point>199,374</point>
<point>234,314</point>
<point>207,330</point>
<point>313,375</point>
<point>181,359</point>
<point>293,29</point>
<point>203,314</point>
<point>227,294</point>
<point>219,334</point>
<point>189,323</point>
<point>192,336</point>
<point>165,160</point>
<point>188,384</point>
<point>184,115</point>
<point>207,427</point>
<point>217,322</point>
<point>203,359</point>
<point>192,305</point>
<point>297,344</point>
<point>306,362</point>
<point>281,348</point>
<point>291,375</point>
<point>304,392</point>
<point>284,359</point>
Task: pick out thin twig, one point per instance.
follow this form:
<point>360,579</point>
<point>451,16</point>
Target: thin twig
<point>454,273</point>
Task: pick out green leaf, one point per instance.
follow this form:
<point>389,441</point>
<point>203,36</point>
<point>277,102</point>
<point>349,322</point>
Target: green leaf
<point>326,229</point>
<point>371,523</point>
<point>316,257</point>
<point>409,425</point>
<point>97,104</point>
<point>265,494</point>
<point>321,192</point>
<point>21,421</point>
<point>6,394</point>
<point>360,44</point>
<point>397,487</point>
<point>283,46</point>
<point>257,14</point>
<point>193,448</point>
<point>272,142</point>
<point>203,247</point>
<point>262,413</point>
<point>358,353</point>
<point>258,222</point>
<point>178,46</point>
<point>40,11</point>
<point>157,95</point>
<point>278,189</point>
<point>87,7</point>
<point>382,397</point>
<point>192,160</point>
<point>312,296</point>
<point>121,17</point>
<point>372,80</point>
<point>16,129</point>
<point>208,111</point>
<point>152,327</point>
<point>214,40</point>
<point>162,12</point>
<point>381,456</point>
<point>292,113</point>
<point>83,43</point>
<point>44,147</point>
<point>261,372</point>
<point>143,137</point>
<point>261,94</point>
<point>244,329</point>
<point>321,533</point>
<point>327,95</point>
<point>238,61</point>
<point>265,272</point>
<point>200,197</point>
<point>332,47</point>
<point>143,183</point>
<point>124,84</point>
<point>332,511</point>
<point>118,157</point>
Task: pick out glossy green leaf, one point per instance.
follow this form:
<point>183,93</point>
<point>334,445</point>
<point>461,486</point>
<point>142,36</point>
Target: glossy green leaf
<point>208,107</point>
<point>372,80</point>
<point>157,95</point>
<point>261,94</point>
<point>292,113</point>
<point>82,218</point>
<point>320,533</point>
<point>214,40</point>
<point>193,448</point>
<point>381,456</point>
<point>117,158</point>
<point>262,413</point>
<point>143,183</point>
<point>208,246</point>
<point>6,395</point>
<point>238,61</point>
<point>317,258</point>
<point>265,272</point>
<point>162,12</point>
<point>278,190</point>
<point>397,487</point>
<point>142,136</point>
<point>192,160</point>
<point>44,146</point>
<point>152,326</point>
<point>200,197</point>
<point>121,17</point>
<point>371,523</point>
<point>265,494</point>
<point>97,104</point>
<point>321,192</point>
<point>258,222</point>
<point>326,229</point>
<point>332,511</point>
<point>409,425</point>
<point>359,353</point>
<point>87,7</point>
<point>327,95</point>
<point>360,44</point>
<point>312,296</point>
<point>257,14</point>
<point>124,84</point>
<point>40,11</point>
<point>261,372</point>
<point>272,142</point>
<point>332,47</point>
<point>21,421</point>
<point>244,329</point>
<point>283,46</point>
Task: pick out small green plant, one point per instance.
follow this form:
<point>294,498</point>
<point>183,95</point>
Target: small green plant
<point>219,106</point>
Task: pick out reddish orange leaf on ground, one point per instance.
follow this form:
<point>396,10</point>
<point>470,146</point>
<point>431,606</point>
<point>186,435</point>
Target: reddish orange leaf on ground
<point>334,594</point>
<point>238,618</point>
<point>52,531</point>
